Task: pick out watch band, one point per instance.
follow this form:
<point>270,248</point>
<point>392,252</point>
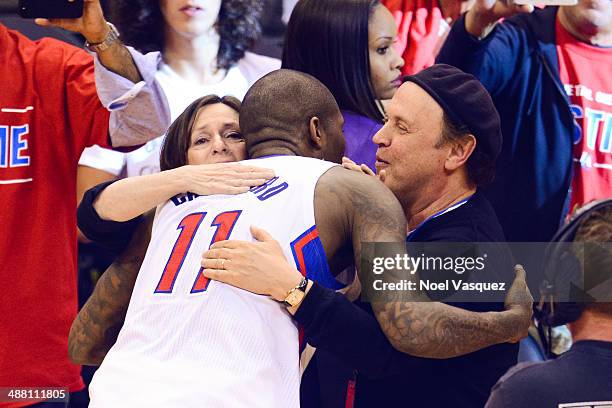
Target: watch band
<point>301,287</point>
<point>111,37</point>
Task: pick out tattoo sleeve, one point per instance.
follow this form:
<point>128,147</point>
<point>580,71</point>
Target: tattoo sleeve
<point>96,327</point>
<point>418,327</point>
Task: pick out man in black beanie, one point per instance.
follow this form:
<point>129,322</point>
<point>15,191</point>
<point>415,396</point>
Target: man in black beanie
<point>436,150</point>
<point>440,142</point>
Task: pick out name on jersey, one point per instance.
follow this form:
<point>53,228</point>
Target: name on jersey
<point>263,192</point>
<point>14,146</point>
<point>183,198</point>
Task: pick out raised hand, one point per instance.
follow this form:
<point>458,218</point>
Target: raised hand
<point>484,13</point>
<point>92,24</point>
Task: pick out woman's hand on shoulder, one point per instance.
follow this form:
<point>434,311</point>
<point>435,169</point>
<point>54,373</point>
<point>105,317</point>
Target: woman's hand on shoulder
<point>223,178</point>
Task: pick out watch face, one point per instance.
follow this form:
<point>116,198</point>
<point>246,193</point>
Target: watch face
<point>294,297</point>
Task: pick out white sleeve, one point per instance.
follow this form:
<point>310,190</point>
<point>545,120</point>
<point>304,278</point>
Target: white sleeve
<point>139,112</point>
<point>99,158</point>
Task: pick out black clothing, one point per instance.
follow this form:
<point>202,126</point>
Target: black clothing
<point>350,333</point>
<point>581,375</point>
<point>113,236</point>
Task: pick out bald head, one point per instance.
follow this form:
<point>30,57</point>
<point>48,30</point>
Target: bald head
<point>286,109</point>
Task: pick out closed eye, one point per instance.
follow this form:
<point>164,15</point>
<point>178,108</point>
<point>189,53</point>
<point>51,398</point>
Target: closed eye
<point>401,127</point>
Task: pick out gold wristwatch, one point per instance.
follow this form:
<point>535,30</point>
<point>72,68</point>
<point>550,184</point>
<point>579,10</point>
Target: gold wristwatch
<point>111,37</point>
<point>295,295</point>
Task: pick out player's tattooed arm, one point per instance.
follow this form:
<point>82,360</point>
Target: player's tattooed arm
<point>436,330</point>
<point>415,325</point>
<point>96,327</point>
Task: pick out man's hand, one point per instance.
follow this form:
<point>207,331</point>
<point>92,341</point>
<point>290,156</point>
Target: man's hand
<point>93,27</point>
<point>351,165</point>
<point>91,24</point>
<point>259,267</point>
<point>485,13</point>
<point>363,168</point>
<point>519,300</point>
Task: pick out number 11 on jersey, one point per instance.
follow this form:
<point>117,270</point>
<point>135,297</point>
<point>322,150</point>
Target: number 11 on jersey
<point>189,225</point>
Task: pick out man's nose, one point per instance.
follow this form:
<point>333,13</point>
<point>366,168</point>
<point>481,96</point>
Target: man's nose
<point>381,138</point>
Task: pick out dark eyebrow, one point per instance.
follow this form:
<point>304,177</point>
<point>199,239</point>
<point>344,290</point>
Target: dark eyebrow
<point>229,125</point>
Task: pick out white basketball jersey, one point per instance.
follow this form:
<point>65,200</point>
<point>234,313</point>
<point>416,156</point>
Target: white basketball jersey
<point>189,342</point>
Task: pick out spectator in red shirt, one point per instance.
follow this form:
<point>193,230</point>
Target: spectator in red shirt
<point>49,112</point>
<point>548,71</point>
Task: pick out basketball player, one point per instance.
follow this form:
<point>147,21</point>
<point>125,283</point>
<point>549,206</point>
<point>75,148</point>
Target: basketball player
<point>187,341</point>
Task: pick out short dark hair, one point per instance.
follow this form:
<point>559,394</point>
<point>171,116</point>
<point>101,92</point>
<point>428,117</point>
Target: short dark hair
<point>596,256</point>
<point>141,24</point>
<point>279,106</point>
<point>480,166</point>
<point>329,40</point>
<point>178,139</point>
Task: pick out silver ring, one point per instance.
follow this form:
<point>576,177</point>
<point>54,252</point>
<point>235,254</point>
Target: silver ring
<point>223,264</point>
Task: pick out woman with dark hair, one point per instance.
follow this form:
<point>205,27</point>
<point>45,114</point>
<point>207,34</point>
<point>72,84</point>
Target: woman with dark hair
<point>202,43</point>
<point>348,45</point>
<point>196,155</point>
<point>202,49</point>
<point>235,22</point>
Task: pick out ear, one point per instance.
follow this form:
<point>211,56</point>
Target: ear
<point>314,133</point>
<point>460,152</point>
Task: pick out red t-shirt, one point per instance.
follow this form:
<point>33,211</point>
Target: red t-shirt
<point>49,112</point>
<point>586,74</point>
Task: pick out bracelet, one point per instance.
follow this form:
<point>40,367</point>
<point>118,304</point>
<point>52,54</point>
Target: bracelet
<point>111,37</point>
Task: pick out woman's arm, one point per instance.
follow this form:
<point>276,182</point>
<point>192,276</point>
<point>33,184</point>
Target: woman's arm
<point>133,196</point>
